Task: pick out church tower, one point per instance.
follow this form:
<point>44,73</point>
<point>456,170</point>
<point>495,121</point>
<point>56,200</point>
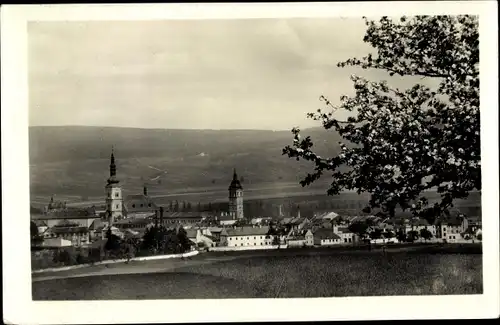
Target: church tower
<point>236,198</point>
<point>113,194</point>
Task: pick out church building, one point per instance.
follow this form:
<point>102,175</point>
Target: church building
<point>114,198</point>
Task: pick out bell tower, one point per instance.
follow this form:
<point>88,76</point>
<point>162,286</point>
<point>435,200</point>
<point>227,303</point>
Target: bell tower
<point>113,193</point>
<point>236,198</point>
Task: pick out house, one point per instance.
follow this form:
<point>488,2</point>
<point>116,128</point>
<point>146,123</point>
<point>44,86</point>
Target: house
<point>326,216</point>
<point>417,224</point>
<point>247,236</point>
<point>228,222</point>
<point>56,242</point>
<point>213,232</point>
<point>471,224</point>
<point>309,238</point>
<point>450,229</point>
<point>326,237</point>
<point>198,237</point>
<point>139,205</point>
<point>41,225</point>
<point>135,224</point>
<point>346,236</point>
<point>77,235</point>
<point>183,218</point>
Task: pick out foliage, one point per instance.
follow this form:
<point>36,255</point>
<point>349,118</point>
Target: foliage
<point>401,236</point>
<point>412,236</point>
<point>425,234</point>
<point>165,241</point>
<point>359,228</point>
<point>36,238</point>
<point>376,234</point>
<point>479,237</point>
<point>403,142</point>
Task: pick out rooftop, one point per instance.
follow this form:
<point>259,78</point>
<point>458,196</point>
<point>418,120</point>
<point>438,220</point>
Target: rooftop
<point>68,230</point>
<point>323,233</point>
<point>247,231</point>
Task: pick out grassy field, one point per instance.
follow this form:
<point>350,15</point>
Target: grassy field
<point>283,274</point>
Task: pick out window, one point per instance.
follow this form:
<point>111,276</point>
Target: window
<point>142,205</point>
<point>133,205</point>
<point>117,206</point>
<point>254,238</point>
<point>117,195</point>
<point>255,244</point>
<point>149,205</point>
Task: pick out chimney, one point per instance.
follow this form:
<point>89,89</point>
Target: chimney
<point>161,215</point>
<point>156,218</point>
<point>145,190</point>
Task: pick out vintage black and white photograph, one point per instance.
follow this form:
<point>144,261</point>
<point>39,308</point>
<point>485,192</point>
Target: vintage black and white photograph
<point>285,157</point>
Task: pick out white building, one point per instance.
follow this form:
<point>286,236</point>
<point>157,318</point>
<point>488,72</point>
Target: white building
<point>326,237</point>
<point>346,236</point>
<point>247,236</point>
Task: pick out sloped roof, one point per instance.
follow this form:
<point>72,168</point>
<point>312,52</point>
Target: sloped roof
<point>182,215</point>
<point>135,221</point>
<point>247,231</point>
<point>139,203</point>
<point>39,223</point>
<point>419,222</point>
<point>68,230</point>
<point>97,224</point>
<point>344,230</point>
<point>323,233</point>
<point>191,233</point>
<point>66,214</point>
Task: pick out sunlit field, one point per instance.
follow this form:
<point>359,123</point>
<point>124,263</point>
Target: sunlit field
<point>320,273</point>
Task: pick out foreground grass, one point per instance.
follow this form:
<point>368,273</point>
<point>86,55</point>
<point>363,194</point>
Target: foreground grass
<point>285,276</point>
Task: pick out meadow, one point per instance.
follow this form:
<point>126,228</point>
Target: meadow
<point>283,274</point>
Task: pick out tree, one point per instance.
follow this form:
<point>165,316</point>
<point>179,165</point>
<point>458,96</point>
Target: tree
<point>412,236</point>
<point>401,236</point>
<point>425,234</point>
<point>359,228</point>
<point>36,238</point>
<point>376,234</point>
<point>184,241</point>
<point>399,143</point>
<point>479,237</point>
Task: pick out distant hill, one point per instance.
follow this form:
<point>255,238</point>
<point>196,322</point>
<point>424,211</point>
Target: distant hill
<point>73,160</point>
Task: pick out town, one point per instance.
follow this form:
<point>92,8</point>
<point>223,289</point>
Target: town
<point>130,219</point>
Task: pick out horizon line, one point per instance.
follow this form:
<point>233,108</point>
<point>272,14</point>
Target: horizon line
<point>170,128</point>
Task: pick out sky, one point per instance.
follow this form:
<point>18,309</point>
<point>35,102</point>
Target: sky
<point>191,74</point>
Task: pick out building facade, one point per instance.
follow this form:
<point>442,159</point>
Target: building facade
<point>247,236</point>
<point>236,198</point>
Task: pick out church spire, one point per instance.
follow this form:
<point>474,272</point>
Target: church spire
<point>235,176</point>
<point>112,165</point>
<point>112,168</point>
